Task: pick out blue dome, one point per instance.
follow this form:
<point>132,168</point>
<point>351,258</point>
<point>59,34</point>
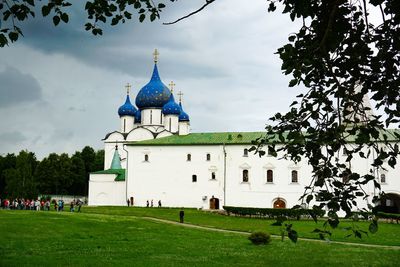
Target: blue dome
<point>138,117</point>
<point>127,109</point>
<point>183,116</point>
<point>154,94</point>
<point>171,108</point>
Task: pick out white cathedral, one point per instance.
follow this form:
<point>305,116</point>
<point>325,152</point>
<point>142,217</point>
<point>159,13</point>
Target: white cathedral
<point>154,157</point>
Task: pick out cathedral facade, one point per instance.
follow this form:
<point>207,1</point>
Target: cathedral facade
<point>154,158</point>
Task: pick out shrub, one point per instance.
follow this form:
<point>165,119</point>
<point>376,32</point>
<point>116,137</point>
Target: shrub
<point>294,213</point>
<point>260,238</point>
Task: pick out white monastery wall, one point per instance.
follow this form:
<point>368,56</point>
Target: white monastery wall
<point>167,176</point>
<point>257,192</point>
<point>103,190</point>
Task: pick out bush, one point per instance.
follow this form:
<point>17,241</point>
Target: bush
<point>293,213</point>
<point>260,238</point>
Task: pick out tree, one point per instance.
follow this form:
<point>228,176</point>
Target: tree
<point>20,180</point>
<point>78,175</point>
<point>340,58</point>
<point>6,162</point>
<point>98,11</point>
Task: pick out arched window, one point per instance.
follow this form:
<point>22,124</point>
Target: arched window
<point>151,116</point>
<point>245,152</point>
<point>270,176</point>
<point>146,157</point>
<point>245,176</point>
<point>295,177</point>
<point>279,204</point>
<point>194,178</point>
<point>188,157</point>
<point>213,176</point>
<point>161,118</point>
<point>208,157</point>
<point>124,125</point>
<point>383,178</point>
<point>169,124</point>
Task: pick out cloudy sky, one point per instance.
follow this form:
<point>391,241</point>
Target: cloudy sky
<point>60,87</point>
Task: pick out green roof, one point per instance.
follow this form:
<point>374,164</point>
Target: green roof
<point>120,173</point>
<point>227,138</point>
<point>231,138</point>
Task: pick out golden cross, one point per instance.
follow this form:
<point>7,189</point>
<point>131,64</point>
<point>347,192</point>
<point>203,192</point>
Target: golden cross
<point>128,88</point>
<point>155,55</point>
<point>180,94</point>
<point>171,86</point>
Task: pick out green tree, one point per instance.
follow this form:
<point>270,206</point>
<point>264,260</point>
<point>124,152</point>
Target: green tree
<point>340,58</point>
<point>54,174</point>
<point>20,181</point>
<point>88,155</point>
<point>78,175</point>
<point>98,12</point>
<point>6,162</point>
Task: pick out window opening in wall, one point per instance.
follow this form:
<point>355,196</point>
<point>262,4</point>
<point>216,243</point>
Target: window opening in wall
<point>213,176</point>
<point>208,157</point>
<point>151,117</point>
<point>161,118</point>
<point>245,176</point>
<point>279,204</point>
<point>245,152</point>
<point>270,176</point>
<point>383,178</point>
<point>146,157</point>
<point>295,177</point>
<point>169,124</point>
<point>194,178</point>
<point>188,157</point>
<point>124,125</point>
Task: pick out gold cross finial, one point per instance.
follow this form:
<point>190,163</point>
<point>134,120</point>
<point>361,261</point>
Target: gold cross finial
<point>180,94</point>
<point>171,86</point>
<point>128,88</point>
<point>155,55</point>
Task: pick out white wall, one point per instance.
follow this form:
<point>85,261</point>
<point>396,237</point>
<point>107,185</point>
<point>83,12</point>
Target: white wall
<point>171,123</point>
<point>152,117</point>
<point>127,124</point>
<point>104,191</point>
<point>168,175</point>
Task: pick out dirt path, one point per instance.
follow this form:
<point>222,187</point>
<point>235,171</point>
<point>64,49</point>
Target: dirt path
<point>273,236</point>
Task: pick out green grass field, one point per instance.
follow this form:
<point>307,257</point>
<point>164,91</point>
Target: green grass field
<point>120,236</point>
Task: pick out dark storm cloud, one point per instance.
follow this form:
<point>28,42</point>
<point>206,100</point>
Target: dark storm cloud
<point>124,48</point>
<point>17,87</point>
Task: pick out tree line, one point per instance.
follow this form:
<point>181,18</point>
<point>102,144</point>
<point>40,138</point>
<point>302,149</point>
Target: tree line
<point>23,175</point>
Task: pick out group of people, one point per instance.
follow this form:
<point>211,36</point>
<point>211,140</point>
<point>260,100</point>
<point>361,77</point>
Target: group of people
<point>148,203</point>
<point>32,204</point>
<point>151,204</point>
<point>25,204</point>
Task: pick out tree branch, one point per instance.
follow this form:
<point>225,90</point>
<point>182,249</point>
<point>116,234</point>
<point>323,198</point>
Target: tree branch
<point>190,14</point>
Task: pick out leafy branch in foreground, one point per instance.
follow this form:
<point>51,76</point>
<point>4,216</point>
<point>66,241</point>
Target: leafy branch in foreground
<point>341,59</point>
<point>98,11</point>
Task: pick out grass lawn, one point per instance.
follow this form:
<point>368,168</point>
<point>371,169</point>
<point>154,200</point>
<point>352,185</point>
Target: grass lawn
<point>388,233</point>
<point>29,238</point>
